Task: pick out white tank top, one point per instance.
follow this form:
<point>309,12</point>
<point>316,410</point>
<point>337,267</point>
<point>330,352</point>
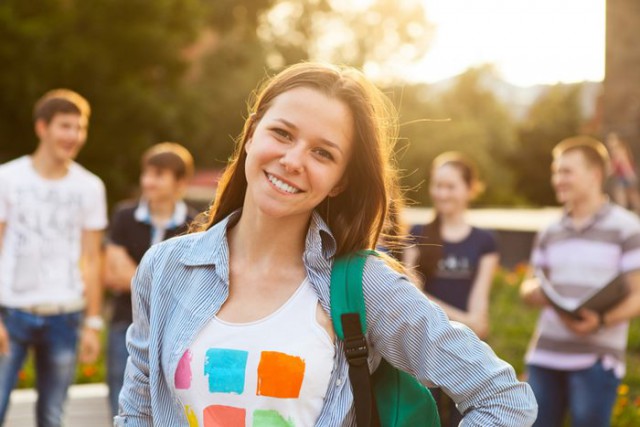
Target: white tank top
<point>271,372</point>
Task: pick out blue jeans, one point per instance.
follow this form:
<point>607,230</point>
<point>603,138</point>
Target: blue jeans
<point>588,395</point>
<point>116,361</point>
<point>54,340</point>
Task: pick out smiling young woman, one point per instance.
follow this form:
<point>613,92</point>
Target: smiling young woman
<point>232,322</point>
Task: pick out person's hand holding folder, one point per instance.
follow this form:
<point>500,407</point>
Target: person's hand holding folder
<point>585,316</point>
<point>587,322</point>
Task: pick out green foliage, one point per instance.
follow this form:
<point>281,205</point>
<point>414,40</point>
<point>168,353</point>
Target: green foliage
<point>177,70</point>
<point>124,56</point>
<point>220,100</point>
<point>512,323</point>
<point>182,70</point>
<point>467,117</point>
<point>554,116</point>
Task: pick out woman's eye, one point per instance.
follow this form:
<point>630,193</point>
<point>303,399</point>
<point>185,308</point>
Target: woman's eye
<point>282,133</point>
<point>324,153</point>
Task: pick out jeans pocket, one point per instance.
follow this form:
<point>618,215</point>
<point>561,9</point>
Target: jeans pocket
<point>7,313</point>
<point>74,320</point>
<point>19,325</point>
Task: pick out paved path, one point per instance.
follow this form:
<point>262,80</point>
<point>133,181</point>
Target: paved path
<point>87,406</point>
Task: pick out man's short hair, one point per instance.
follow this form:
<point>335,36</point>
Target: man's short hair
<point>594,152</point>
<point>60,101</point>
<point>171,156</point>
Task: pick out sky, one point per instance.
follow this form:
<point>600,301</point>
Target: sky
<point>529,41</point>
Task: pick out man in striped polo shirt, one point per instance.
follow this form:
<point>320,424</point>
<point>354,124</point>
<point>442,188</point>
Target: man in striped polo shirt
<point>575,365</point>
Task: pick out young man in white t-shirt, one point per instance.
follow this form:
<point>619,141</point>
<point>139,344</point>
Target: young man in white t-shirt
<point>52,216</point>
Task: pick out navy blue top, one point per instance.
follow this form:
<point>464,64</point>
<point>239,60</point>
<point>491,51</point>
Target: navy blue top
<point>135,236</point>
<point>457,269</point>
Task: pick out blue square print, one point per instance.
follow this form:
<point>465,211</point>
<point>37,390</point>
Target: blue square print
<point>226,370</point>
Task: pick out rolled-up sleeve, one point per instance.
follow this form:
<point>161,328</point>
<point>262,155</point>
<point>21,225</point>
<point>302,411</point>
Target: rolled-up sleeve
<point>415,335</point>
<point>135,397</point>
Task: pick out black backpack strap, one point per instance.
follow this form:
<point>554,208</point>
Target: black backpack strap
<point>356,351</point>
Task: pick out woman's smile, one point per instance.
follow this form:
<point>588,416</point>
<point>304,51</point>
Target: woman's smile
<point>282,185</point>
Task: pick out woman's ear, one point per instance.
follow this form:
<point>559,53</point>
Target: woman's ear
<point>339,188</point>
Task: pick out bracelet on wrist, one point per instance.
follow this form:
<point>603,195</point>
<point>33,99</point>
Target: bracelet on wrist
<point>94,322</point>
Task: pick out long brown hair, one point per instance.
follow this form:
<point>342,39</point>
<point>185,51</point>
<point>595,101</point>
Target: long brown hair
<point>356,215</point>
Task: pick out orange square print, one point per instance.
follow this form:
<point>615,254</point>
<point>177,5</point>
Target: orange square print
<point>224,416</point>
<point>280,375</point>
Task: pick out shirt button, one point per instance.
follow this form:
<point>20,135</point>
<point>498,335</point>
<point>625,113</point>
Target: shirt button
<point>339,382</point>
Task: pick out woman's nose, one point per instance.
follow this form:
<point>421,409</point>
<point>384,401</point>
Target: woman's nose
<point>292,160</point>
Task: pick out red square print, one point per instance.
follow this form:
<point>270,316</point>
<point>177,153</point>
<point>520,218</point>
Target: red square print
<point>224,416</point>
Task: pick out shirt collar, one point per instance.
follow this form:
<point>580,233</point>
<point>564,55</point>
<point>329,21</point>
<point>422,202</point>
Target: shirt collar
<point>180,211</point>
<point>604,210</point>
<point>211,247</point>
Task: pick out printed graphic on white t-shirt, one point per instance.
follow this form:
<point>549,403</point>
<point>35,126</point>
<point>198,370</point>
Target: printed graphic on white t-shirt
<point>270,373</point>
<point>44,220</point>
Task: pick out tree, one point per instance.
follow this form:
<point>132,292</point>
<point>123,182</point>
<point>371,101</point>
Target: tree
<point>177,70</point>
<point>555,115</point>
<point>466,117</point>
<point>124,56</point>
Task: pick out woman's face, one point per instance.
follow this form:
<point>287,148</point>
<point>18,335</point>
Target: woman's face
<point>449,191</point>
<point>298,153</point>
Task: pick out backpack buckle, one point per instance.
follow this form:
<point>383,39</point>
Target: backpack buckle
<point>356,350</point>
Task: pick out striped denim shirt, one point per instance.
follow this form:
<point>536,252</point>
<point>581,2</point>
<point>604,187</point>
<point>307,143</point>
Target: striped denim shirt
<point>182,283</point>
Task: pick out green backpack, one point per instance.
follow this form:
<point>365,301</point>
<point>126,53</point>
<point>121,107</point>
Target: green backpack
<point>399,399</point>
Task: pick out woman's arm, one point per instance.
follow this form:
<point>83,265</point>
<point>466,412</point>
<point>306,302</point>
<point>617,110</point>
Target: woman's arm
<point>477,315</point>
<point>415,335</point>
<point>135,397</point>
<point>410,257</point>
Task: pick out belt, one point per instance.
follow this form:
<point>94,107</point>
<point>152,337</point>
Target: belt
<point>54,309</point>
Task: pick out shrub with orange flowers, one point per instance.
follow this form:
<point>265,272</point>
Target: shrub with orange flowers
<point>626,412</point>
